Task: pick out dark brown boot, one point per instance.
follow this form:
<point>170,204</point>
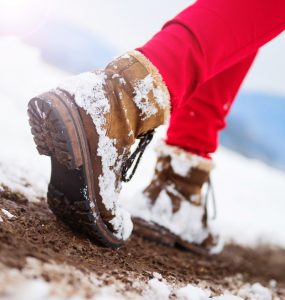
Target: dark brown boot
<point>172,209</point>
<point>87,125</point>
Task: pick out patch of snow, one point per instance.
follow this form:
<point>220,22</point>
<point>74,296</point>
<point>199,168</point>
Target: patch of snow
<point>157,289</point>
<point>255,292</point>
<point>31,182</point>
<point>142,89</point>
<point>190,292</point>
<point>157,275</point>
<point>226,297</point>
<point>220,242</point>
<point>196,198</point>
<point>1,219</point>
<point>7,213</point>
<point>162,98</point>
<point>66,282</point>
<point>122,81</point>
<point>273,283</point>
<point>160,289</point>
<point>30,289</point>
<point>122,222</point>
<point>108,293</point>
<point>181,161</point>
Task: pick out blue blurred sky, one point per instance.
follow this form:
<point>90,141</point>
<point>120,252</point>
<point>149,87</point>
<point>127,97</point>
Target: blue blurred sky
<point>256,127</point>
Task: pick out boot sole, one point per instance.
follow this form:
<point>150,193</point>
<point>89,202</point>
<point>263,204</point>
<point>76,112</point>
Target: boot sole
<point>161,235</point>
<point>59,133</point>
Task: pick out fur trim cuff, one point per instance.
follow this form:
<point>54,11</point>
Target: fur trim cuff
<point>183,158</point>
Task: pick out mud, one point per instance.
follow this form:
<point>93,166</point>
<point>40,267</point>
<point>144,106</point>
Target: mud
<point>35,232</point>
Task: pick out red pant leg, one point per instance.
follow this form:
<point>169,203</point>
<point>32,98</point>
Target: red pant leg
<point>195,125</point>
<point>209,37</point>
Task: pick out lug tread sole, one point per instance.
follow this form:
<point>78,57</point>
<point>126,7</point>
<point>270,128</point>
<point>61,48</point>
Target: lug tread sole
<point>52,138</point>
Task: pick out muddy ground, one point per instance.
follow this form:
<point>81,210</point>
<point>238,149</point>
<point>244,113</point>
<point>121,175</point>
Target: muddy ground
<point>35,232</point>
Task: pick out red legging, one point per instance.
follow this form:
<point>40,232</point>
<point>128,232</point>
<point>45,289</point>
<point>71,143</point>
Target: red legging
<point>204,54</point>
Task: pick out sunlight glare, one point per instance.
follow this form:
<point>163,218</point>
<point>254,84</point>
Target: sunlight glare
<point>22,17</point>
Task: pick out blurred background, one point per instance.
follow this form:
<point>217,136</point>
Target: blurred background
<point>44,41</point>
<point>76,36</point>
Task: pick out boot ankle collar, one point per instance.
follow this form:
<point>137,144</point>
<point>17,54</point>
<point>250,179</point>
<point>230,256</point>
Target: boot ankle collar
<point>180,156</point>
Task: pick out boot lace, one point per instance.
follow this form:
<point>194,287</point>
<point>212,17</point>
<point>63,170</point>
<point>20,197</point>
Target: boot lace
<point>136,156</point>
<point>210,192</point>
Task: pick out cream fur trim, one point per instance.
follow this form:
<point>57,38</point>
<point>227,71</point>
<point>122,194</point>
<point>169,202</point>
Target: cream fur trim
<point>158,80</point>
<point>177,153</point>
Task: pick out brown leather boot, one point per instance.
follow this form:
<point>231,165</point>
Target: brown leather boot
<point>87,125</point>
<point>172,209</point>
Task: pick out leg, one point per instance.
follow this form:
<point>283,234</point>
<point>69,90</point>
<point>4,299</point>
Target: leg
<point>210,37</point>
<point>194,127</point>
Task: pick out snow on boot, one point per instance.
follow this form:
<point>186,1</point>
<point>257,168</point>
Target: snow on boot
<point>172,209</point>
<point>87,125</point>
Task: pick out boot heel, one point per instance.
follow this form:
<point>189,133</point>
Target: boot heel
<point>53,128</point>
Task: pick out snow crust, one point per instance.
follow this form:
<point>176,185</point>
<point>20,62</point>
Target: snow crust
<point>7,213</point>
<point>227,297</point>
<point>68,283</point>
<point>142,90</point>
<point>88,91</point>
<point>159,288</point>
<point>190,292</point>
<point>71,283</point>
<point>255,292</point>
<point>181,161</point>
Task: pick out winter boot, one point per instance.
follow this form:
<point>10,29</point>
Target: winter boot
<point>172,209</point>
<point>87,125</point>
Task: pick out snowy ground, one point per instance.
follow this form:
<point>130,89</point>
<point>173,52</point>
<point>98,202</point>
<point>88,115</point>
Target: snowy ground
<point>157,288</point>
<point>250,194</point>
